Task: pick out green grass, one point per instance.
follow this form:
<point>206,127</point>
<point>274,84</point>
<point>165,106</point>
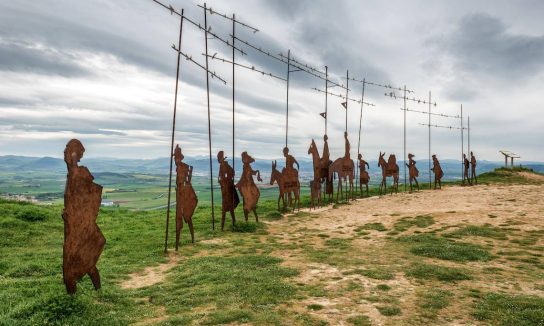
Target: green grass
<point>359,320</point>
<point>374,273</point>
<point>436,272</point>
<point>432,246</point>
<point>315,307</point>
<point>371,226</point>
<point>506,176</point>
<point>383,287</point>
<point>479,231</point>
<point>421,221</point>
<point>432,301</point>
<point>389,310</point>
<point>504,309</point>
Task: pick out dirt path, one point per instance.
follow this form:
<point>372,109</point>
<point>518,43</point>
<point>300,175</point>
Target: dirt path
<point>495,206</point>
<point>150,275</point>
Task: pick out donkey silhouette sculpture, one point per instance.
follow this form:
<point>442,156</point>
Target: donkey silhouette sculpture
<point>289,191</point>
<point>389,169</point>
<point>315,184</point>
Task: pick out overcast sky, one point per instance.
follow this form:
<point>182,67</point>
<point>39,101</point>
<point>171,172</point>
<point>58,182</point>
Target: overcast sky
<point>104,72</point>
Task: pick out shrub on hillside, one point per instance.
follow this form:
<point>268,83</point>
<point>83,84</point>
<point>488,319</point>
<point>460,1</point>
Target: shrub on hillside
<point>32,213</point>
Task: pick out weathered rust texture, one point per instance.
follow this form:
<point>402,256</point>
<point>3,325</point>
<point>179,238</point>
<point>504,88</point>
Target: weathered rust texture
<point>319,169</point>
<point>438,173</point>
<point>466,164</point>
<point>389,169</point>
<point>412,170</point>
<point>473,162</point>
<point>230,199</point>
<point>364,178</point>
<point>83,240</point>
<point>287,180</point>
<point>249,191</point>
<point>344,168</point>
<point>186,199</point>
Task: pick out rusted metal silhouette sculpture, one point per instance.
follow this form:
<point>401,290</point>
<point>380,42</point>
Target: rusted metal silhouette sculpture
<point>438,173</point>
<point>325,164</point>
<point>249,191</point>
<point>412,170</point>
<point>83,240</point>
<point>473,176</point>
<point>389,169</point>
<point>230,199</point>
<point>315,184</point>
<point>344,168</point>
<point>466,164</point>
<point>186,199</point>
<point>287,180</point>
<point>364,178</point>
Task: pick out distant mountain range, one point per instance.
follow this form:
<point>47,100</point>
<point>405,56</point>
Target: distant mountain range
<point>22,164</point>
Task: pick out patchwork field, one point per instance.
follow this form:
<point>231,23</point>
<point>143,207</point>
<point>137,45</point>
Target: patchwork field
<point>458,256</point>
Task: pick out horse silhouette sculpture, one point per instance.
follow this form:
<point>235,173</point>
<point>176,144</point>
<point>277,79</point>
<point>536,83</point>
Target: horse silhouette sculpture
<point>315,184</point>
<point>389,169</point>
<point>288,188</point>
<point>247,187</point>
<point>344,169</point>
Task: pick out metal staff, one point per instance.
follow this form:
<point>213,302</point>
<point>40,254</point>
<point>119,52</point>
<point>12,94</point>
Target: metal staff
<point>209,115</point>
<point>173,132</point>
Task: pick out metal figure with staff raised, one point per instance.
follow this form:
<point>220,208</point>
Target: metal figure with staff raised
<point>230,199</point>
<point>83,240</point>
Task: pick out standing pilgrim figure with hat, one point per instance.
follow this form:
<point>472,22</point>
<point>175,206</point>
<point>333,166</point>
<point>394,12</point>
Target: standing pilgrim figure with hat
<point>414,172</point>
<point>230,199</point>
<point>83,240</point>
<point>438,173</point>
<point>186,199</point>
<point>473,177</point>
<point>466,163</point>
<point>249,191</point>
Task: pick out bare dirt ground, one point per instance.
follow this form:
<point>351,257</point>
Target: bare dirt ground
<point>517,209</point>
<point>150,275</point>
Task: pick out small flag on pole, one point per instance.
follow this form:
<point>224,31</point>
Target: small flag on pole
<point>345,105</point>
<point>323,114</point>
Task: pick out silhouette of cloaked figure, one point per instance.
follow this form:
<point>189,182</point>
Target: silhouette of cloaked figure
<point>186,199</point>
<point>473,177</point>
<point>438,173</point>
<point>230,199</point>
<point>413,171</point>
<point>83,240</point>
<point>466,163</point>
<point>249,191</point>
<point>364,178</point>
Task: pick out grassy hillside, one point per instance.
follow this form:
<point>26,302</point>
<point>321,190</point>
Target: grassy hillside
<point>236,277</point>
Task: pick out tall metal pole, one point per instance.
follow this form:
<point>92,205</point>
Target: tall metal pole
<point>173,132</point>
<point>468,132</point>
<point>347,91</point>
<point>233,103</point>
<point>359,142</point>
<point>430,182</point>
<point>287,108</point>
<point>404,163</point>
<point>209,115</point>
<point>462,148</point>
<point>326,93</point>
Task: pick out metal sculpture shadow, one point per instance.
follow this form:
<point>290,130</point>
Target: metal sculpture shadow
<point>412,171</point>
<point>83,240</point>
<point>364,177</point>
<point>229,195</point>
<point>389,169</point>
<point>344,169</point>
<point>249,191</point>
<point>186,199</point>
<point>466,164</point>
<point>438,173</point>
<point>473,176</point>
